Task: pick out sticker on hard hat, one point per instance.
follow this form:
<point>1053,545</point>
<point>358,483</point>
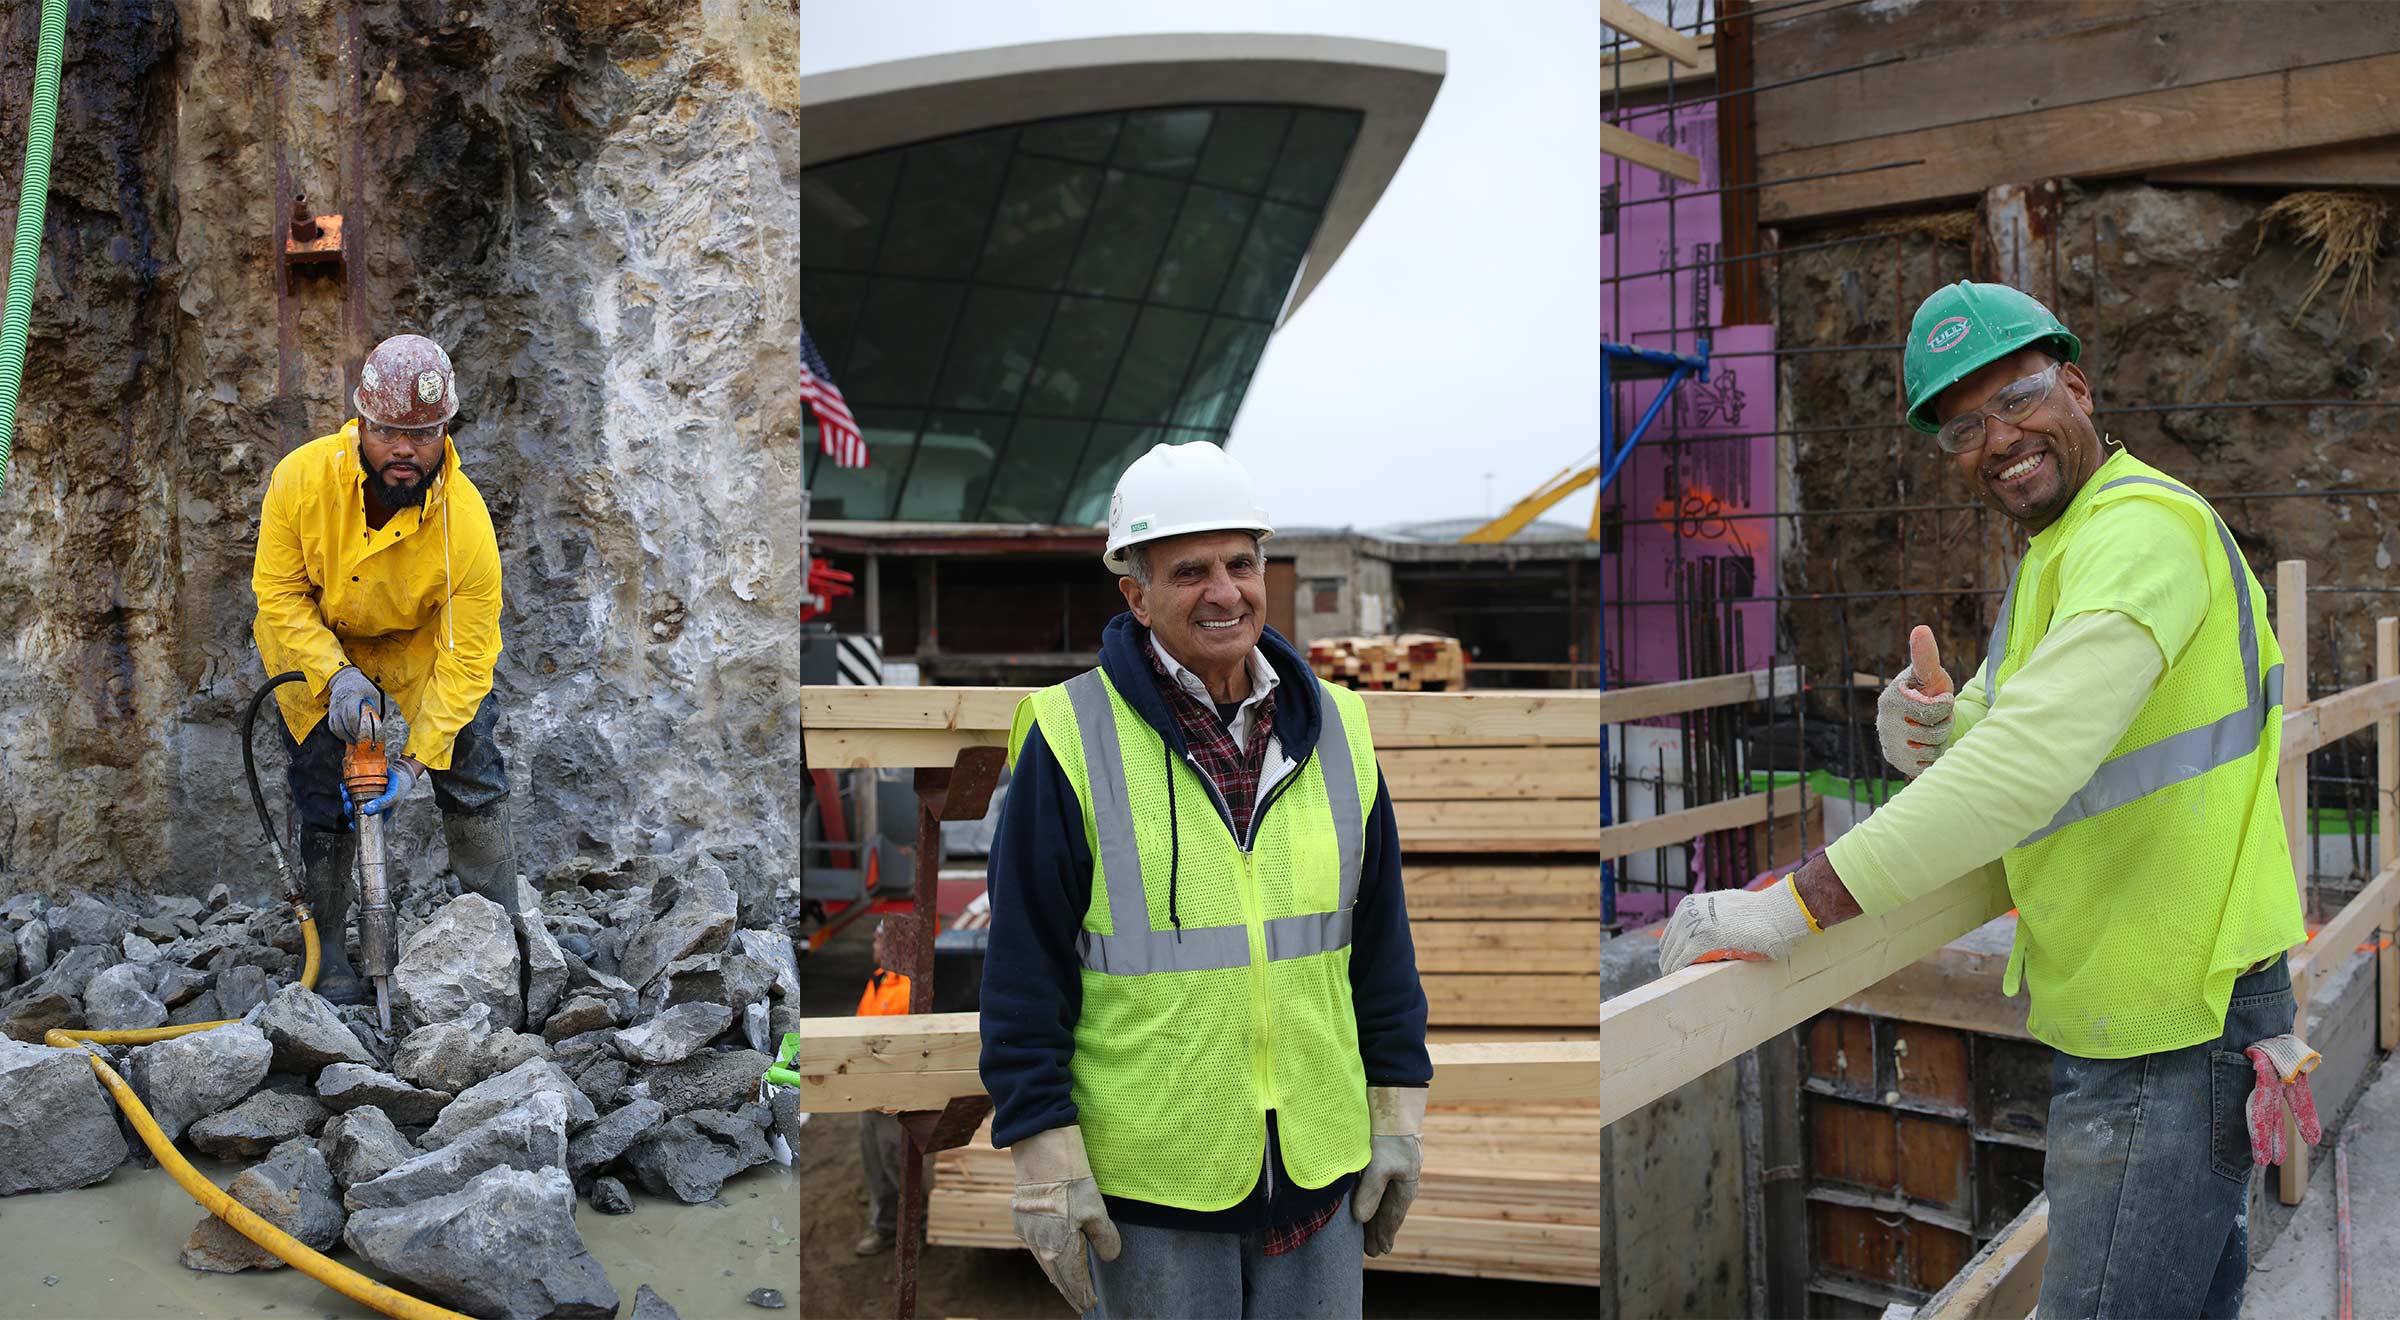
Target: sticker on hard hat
<point>429,386</point>
<point>1945,336</point>
<point>1140,527</point>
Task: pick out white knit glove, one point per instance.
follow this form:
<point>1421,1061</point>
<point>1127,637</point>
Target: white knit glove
<point>1912,717</point>
<point>1057,1206</point>
<point>1735,923</point>
<point>1396,1156</point>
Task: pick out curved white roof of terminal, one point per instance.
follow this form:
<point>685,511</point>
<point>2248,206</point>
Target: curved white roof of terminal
<point>845,112</point>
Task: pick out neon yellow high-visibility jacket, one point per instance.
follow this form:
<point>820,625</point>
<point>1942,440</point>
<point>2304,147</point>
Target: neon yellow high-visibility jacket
<point>415,604</point>
<point>2125,772</point>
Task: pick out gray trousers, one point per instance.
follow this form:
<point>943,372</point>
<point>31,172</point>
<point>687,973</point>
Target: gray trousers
<point>1176,1273</point>
<point>882,1145</point>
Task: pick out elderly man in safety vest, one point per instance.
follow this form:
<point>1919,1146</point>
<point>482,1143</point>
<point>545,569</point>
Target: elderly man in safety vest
<point>378,578</point>
<point>2117,750</point>
<point>1203,1032</point>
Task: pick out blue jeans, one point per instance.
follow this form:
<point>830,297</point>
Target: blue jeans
<point>1177,1274</point>
<point>2149,1171</point>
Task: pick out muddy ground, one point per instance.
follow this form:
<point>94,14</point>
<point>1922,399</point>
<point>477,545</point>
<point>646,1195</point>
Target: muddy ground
<point>1001,1285</point>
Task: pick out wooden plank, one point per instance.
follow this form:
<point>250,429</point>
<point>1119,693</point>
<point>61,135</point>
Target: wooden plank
<point>2004,1280</point>
<point>2387,837</point>
<point>2341,937</point>
<point>1802,39</point>
<point>854,749</point>
<point>2086,57</point>
<point>1514,1070</point>
<point>1538,816</point>
<point>1430,774</point>
<point>1661,1035</point>
<point>2326,720</point>
<point>2371,163</point>
<point>1692,822</point>
<point>1957,985</point>
<point>2282,111</point>
<point>1650,32</point>
<point>2291,633</point>
<point>1650,701</point>
<point>1640,150</point>
<point>1502,890</point>
<point>1499,947</point>
<point>1527,999</point>
<point>1647,71</point>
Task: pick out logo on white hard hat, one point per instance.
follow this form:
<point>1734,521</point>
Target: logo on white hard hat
<point>429,387</point>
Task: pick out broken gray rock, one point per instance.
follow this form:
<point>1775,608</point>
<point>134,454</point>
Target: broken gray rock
<point>603,1079</point>
<point>609,1197</point>
<point>545,963</point>
<point>456,1055</point>
<point>505,1244</point>
<point>119,999</point>
<point>531,1136</point>
<point>710,978</point>
<point>582,1012</point>
<point>696,914</point>
<point>240,988</point>
<point>466,955</point>
<point>86,920</point>
<point>506,1091</point>
<point>71,972</point>
<point>725,1080</point>
<point>138,950</point>
<point>33,949</point>
<point>39,1013</point>
<point>190,1077</point>
<point>200,1009</point>
<point>362,1146</point>
<point>690,1157</point>
<point>308,1034</point>
<point>257,1125</point>
<point>674,1035</point>
<point>346,1086</point>
<point>291,1189</point>
<point>179,985</point>
<point>648,1305</point>
<point>58,1129</point>
<point>597,1146</point>
<point>775,951</point>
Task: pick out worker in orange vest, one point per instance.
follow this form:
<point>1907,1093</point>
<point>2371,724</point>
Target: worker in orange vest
<point>881,1142</point>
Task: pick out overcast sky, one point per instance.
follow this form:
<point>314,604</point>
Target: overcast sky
<point>1459,332</point>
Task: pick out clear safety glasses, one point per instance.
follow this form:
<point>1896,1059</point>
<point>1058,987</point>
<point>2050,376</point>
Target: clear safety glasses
<point>2015,402</point>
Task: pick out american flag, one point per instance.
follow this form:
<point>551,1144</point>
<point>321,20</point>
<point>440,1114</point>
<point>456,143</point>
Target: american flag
<point>837,430</point>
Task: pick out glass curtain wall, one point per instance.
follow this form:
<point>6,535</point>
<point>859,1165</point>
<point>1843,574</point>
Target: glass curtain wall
<point>1015,315</point>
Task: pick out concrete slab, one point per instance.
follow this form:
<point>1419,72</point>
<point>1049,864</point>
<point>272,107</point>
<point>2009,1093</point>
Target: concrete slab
<point>2297,1275</point>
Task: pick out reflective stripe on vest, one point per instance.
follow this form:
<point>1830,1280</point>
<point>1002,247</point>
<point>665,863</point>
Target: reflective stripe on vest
<point>1138,951</point>
<point>2177,757</point>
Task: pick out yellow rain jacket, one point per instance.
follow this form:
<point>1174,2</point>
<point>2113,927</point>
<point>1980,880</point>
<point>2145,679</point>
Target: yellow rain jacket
<point>415,605</point>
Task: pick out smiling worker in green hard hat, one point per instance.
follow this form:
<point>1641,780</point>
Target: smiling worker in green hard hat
<point>2117,750</point>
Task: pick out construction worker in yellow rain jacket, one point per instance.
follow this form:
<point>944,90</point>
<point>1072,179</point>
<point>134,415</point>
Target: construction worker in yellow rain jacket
<point>378,578</point>
<point>2117,751</point>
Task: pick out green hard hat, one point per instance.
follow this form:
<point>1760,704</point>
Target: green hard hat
<point>1965,327</point>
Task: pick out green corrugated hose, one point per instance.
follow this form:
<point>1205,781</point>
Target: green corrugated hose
<point>32,204</point>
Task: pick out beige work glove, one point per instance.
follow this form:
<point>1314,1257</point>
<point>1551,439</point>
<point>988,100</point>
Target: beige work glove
<point>1056,1207</point>
<point>1395,1158</point>
<point>1735,923</point>
<point>1912,717</point>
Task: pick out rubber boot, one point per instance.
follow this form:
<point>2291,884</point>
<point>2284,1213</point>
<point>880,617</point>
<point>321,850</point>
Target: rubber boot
<point>483,852</point>
<point>329,859</point>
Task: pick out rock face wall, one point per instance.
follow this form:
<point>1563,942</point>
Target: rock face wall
<point>594,207</point>
<point>2177,302</point>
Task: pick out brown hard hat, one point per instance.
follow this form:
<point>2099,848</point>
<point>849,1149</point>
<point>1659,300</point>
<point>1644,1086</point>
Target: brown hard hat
<point>407,383</point>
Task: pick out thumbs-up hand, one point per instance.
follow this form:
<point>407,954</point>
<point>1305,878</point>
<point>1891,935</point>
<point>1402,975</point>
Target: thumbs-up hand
<point>1912,717</point>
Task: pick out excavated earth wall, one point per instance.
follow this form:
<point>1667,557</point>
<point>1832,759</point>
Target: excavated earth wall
<point>594,206</point>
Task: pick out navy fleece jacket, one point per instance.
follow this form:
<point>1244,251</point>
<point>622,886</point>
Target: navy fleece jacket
<point>1041,883</point>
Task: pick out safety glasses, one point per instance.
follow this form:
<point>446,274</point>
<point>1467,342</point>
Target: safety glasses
<point>2013,404</point>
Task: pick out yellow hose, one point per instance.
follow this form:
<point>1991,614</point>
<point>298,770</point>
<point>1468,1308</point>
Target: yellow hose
<point>309,1261</point>
<point>152,1035</point>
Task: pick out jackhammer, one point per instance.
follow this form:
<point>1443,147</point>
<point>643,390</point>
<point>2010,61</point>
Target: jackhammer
<point>366,770</point>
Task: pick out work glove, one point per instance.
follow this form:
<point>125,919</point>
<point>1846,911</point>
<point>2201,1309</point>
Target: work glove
<point>402,777</point>
<point>1735,923</point>
<point>1395,1157</point>
<point>347,699</point>
<point>2282,1063</point>
<point>1912,717</point>
<point>1057,1207</point>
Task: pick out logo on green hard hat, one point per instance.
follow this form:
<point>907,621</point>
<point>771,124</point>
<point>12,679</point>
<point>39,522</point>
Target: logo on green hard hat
<point>1946,335</point>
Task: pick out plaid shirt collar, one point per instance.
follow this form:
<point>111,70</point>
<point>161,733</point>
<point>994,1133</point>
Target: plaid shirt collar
<point>1233,768</point>
<point>1263,679</point>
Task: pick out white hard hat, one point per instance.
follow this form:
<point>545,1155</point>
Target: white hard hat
<point>1175,490</point>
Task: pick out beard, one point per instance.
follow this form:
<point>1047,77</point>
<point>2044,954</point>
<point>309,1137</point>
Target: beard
<point>395,494</point>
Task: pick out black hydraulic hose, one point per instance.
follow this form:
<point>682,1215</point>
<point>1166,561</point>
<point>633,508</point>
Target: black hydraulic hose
<point>258,798</point>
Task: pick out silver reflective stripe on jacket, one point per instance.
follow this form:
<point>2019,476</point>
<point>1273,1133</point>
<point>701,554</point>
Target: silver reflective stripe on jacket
<point>2178,757</point>
<point>1136,950</point>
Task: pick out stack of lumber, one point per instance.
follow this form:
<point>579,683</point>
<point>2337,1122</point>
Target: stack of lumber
<point>1410,662</point>
<point>1510,1191</point>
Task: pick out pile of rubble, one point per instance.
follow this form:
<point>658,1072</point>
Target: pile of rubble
<point>615,1041</point>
